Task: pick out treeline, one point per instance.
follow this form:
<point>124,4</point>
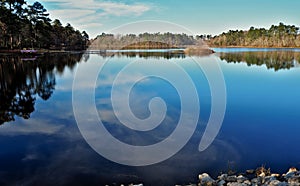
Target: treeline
<point>276,36</point>
<point>29,26</point>
<point>110,41</point>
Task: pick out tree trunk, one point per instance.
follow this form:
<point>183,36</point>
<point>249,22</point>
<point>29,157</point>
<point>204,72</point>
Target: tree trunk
<point>11,41</point>
<point>19,42</point>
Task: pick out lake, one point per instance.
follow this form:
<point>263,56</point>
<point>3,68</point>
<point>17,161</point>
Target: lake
<point>41,143</point>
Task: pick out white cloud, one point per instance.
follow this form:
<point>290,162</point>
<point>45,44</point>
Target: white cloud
<point>30,157</point>
<point>78,8</point>
<point>71,13</point>
<point>92,25</point>
<point>86,14</point>
<point>108,8</point>
<point>29,127</point>
<point>120,9</point>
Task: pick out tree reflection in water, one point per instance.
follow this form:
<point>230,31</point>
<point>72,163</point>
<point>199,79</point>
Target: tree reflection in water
<point>22,80</point>
<point>139,54</point>
<point>276,60</point>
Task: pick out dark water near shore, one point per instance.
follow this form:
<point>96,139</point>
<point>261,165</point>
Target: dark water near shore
<point>41,143</point>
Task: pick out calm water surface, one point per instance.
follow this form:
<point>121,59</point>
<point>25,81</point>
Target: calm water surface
<point>41,143</point>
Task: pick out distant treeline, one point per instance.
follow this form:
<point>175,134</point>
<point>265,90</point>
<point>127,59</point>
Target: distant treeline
<point>148,45</point>
<point>110,41</point>
<point>276,36</point>
<point>29,26</point>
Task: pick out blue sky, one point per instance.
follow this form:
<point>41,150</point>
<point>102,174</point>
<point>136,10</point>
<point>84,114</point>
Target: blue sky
<point>199,16</point>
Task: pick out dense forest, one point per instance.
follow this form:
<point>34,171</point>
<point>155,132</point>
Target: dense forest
<point>29,26</point>
<point>161,40</point>
<point>276,36</point>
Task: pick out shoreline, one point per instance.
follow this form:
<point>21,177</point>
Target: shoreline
<point>252,177</point>
<point>39,51</point>
<point>192,49</point>
<point>259,176</point>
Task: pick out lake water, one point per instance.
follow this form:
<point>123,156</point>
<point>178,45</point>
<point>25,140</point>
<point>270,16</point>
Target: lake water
<point>42,145</point>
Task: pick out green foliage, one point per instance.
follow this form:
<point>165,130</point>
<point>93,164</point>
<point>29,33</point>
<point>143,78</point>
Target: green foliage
<point>29,26</point>
<point>276,36</point>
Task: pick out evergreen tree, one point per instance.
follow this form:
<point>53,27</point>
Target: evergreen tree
<point>29,26</point>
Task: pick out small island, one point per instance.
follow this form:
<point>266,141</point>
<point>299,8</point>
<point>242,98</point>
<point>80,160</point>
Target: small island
<point>148,45</point>
<point>188,45</point>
